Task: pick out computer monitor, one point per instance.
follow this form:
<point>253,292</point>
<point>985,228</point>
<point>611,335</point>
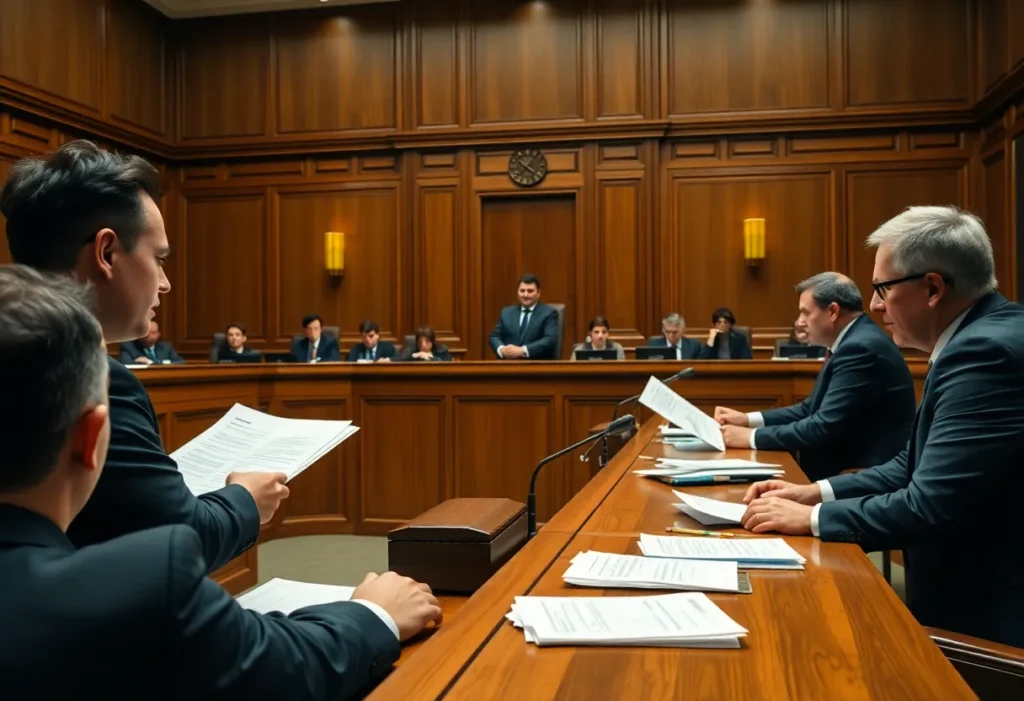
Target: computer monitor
<point>593,354</point>
<point>248,356</point>
<point>279,357</point>
<point>655,353</point>
<point>798,351</point>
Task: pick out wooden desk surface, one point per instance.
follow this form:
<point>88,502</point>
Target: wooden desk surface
<point>835,630</point>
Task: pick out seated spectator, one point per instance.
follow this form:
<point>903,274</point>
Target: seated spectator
<point>598,339</point>
<point>426,347</point>
<point>149,350</point>
<point>672,326</point>
<point>724,343</point>
<point>233,349</point>
<point>315,347</point>
<point>372,349</point>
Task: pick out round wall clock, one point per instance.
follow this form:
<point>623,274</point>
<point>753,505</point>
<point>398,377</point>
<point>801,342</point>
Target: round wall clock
<point>527,167</point>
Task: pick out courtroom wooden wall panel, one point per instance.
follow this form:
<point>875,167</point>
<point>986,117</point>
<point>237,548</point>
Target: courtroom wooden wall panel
<point>994,52</point>
<point>137,75</point>
<point>70,67</point>
<point>622,67</point>
<point>529,234</point>
<point>995,211</point>
<point>895,53</point>
<point>224,66</point>
<point>737,56</point>
<point>526,60</point>
<point>224,265</point>
<point>337,70</point>
<point>622,271</point>
<point>404,468</point>
<point>439,279</point>
<point>874,196</point>
<point>437,96</point>
<point>704,221</point>
<point>375,275</point>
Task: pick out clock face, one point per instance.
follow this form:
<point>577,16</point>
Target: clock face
<point>527,167</point>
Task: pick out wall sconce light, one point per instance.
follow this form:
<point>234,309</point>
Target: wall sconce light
<point>334,253</point>
<point>753,241</point>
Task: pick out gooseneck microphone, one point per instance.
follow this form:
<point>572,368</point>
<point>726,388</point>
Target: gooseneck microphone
<point>620,424</point>
<point>687,372</point>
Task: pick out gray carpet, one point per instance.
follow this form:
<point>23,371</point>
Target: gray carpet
<point>345,559</point>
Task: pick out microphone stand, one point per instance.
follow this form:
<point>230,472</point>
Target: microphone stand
<point>626,421</point>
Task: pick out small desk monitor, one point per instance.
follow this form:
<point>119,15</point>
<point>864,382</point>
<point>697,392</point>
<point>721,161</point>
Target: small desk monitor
<point>279,357</point>
<point>798,351</point>
<point>655,353</point>
<point>248,356</point>
<point>593,354</point>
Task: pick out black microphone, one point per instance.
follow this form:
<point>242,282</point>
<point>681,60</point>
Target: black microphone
<point>622,423</point>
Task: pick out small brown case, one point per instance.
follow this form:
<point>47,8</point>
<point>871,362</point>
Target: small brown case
<point>459,544</point>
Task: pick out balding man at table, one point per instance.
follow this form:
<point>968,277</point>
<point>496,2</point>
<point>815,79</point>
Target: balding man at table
<point>860,411</point>
<point>950,499</point>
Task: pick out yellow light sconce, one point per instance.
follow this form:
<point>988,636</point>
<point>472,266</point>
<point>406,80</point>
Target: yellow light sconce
<point>753,241</point>
<point>334,253</point>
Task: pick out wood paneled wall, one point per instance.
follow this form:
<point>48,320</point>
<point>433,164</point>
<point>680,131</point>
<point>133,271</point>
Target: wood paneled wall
<point>665,124</point>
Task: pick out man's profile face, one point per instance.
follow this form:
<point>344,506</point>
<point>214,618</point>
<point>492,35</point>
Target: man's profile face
<point>817,322</point>
<point>529,294</point>
<point>312,330</point>
<point>673,332</point>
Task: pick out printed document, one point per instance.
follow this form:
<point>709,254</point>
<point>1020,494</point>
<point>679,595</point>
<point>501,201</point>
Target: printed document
<point>660,399</point>
<point>286,596</point>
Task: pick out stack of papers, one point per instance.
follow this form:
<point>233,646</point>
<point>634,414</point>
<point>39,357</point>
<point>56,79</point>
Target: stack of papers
<point>660,399</point>
<point>595,569</point>
<point>669,620</point>
<point>286,596</point>
<point>748,553</point>
<point>710,512</point>
<point>701,471</point>
<point>250,441</point>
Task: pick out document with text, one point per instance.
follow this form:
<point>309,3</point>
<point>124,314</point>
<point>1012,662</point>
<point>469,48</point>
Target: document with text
<point>749,553</point>
<point>286,596</point>
<point>710,512</point>
<point>659,398</point>
<point>247,440</point>
<point>608,570</point>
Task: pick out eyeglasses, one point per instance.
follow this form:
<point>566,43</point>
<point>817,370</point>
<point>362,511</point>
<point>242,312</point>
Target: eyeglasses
<point>882,287</point>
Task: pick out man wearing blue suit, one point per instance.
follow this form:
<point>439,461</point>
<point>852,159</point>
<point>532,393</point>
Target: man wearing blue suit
<point>136,617</point>
<point>950,500</point>
<point>371,349</point>
<point>315,347</point>
<point>528,330</point>
<point>149,350</point>
<point>864,383</point>
<point>672,326</point>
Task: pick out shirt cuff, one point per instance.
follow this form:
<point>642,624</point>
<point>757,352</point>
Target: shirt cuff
<point>815,530</point>
<point>526,352</point>
<point>500,355</point>
<point>753,443</point>
<point>381,614</point>
<point>755,419</point>
<point>827,493</point>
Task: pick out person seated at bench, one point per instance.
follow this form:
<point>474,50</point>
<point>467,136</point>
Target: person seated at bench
<point>425,347</point>
<point>597,339</point>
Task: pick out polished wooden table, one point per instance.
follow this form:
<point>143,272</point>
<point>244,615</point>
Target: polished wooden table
<point>833,631</point>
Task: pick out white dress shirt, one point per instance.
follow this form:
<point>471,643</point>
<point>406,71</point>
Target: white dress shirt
<point>381,614</point>
<point>827,493</point>
<point>313,345</point>
<point>756,420</point>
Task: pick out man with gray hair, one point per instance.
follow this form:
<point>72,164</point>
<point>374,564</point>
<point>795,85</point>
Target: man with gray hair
<point>136,616</point>
<point>864,382</point>
<point>949,500</point>
<point>672,327</point>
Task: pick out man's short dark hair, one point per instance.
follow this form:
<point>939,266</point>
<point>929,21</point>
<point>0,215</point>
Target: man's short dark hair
<point>310,318</point>
<point>723,313</point>
<point>828,288</point>
<point>52,366</point>
<point>599,321</point>
<point>367,326</point>
<point>55,205</point>
<point>236,326</point>
<point>530,279</point>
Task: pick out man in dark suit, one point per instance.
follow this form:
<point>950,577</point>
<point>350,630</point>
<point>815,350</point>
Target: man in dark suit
<point>136,617</point>
<point>93,213</point>
<point>672,326</point>
<point>149,350</point>
<point>528,330</point>
<point>863,385</point>
<point>372,349</point>
<point>316,347</point>
<point>950,499</point>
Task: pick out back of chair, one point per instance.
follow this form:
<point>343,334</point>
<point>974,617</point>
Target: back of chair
<point>334,331</point>
<point>745,330</point>
<point>219,340</point>
<point>560,312</point>
<point>409,344</point>
<point>778,346</point>
<point>992,670</point>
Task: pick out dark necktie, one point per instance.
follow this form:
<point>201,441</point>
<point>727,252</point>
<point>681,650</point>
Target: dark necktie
<point>828,354</point>
<point>312,352</point>
<point>151,354</point>
<point>524,323</point>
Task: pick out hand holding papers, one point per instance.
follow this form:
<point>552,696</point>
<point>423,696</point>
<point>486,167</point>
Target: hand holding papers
<point>670,620</point>
<point>249,440</point>
<point>286,596</point>
<point>667,404</point>
<point>748,553</point>
<point>594,569</point>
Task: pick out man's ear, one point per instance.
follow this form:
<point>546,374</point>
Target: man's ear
<point>103,252</point>
<point>937,288</point>
<point>88,437</point>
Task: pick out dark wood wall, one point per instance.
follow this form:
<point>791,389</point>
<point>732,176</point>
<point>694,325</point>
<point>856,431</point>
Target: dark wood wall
<point>665,124</point>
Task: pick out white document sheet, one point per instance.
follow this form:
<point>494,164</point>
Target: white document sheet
<point>248,440</point>
<point>660,399</point>
<point>286,596</point>
<point>710,512</point>
<point>596,569</point>
<point>745,550</point>
<point>670,620</point>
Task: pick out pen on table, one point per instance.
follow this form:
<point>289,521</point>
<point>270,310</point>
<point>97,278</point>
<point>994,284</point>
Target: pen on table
<point>710,534</point>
